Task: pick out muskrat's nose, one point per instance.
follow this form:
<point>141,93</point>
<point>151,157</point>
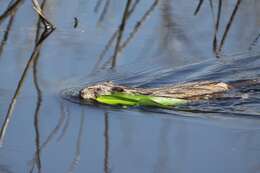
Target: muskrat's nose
<point>86,94</point>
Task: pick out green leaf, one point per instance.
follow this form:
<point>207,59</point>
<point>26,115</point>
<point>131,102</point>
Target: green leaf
<point>111,100</point>
<point>169,101</point>
<point>129,99</point>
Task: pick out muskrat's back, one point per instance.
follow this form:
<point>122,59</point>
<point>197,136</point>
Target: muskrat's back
<point>192,90</point>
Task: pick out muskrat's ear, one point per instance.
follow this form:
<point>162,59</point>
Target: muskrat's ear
<point>117,89</point>
<point>98,89</point>
<point>108,83</point>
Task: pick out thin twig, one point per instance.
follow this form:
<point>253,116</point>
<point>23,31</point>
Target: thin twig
<point>36,6</point>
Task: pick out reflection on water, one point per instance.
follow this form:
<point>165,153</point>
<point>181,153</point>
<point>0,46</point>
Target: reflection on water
<point>138,43</point>
<point>106,139</point>
<point>4,169</point>
<point>32,60</point>
<point>12,9</point>
<point>76,159</point>
<point>117,35</point>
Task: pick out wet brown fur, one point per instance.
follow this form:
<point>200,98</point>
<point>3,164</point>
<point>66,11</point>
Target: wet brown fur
<point>191,91</point>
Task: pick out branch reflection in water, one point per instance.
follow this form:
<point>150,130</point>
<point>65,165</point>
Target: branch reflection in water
<point>169,21</point>
<point>31,60</point>
<point>254,42</point>
<point>217,48</point>
<point>198,7</point>
<point>11,9</point>
<point>227,28</point>
<point>106,143</point>
<point>52,134</point>
<point>97,6</point>
<point>39,95</point>
<point>134,31</point>
<point>119,47</point>
<point>162,162</point>
<point>104,12</point>
<point>216,23</point>
<point>75,161</point>
<point>9,24</point>
<point>113,37</point>
<point>65,111</point>
<point>120,33</point>
<point>6,33</point>
<point>128,39</point>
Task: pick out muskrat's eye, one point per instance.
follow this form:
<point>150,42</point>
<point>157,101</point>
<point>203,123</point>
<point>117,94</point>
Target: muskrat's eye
<point>117,89</point>
<point>95,94</point>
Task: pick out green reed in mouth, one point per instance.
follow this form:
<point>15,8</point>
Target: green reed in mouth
<point>129,99</point>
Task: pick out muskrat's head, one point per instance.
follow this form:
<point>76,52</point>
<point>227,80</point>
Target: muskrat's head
<point>94,91</point>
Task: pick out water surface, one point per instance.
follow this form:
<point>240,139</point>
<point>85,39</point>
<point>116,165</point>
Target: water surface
<point>170,45</point>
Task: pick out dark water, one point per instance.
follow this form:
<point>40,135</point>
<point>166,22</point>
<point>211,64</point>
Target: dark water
<point>47,133</point>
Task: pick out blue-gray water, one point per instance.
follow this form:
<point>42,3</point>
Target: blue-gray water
<point>50,134</point>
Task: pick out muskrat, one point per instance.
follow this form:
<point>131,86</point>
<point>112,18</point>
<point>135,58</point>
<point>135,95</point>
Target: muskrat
<point>201,90</point>
<point>166,96</point>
